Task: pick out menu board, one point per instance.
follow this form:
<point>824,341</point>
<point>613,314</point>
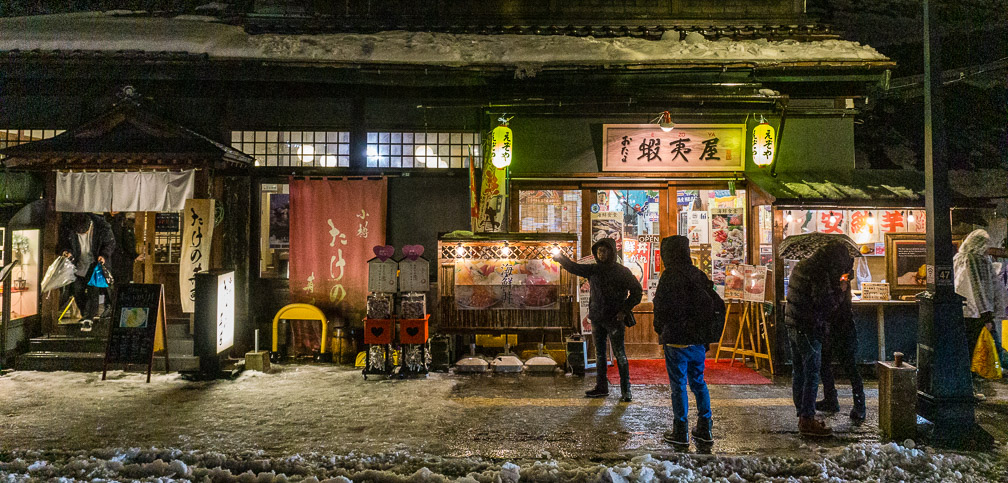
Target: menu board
<point>607,224</point>
<point>755,283</point>
<point>874,291</point>
<point>728,245</point>
<point>138,329</point>
<point>734,280</point>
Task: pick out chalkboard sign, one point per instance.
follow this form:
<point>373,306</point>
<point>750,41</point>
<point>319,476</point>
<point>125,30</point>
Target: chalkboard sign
<point>137,329</point>
<point>166,222</point>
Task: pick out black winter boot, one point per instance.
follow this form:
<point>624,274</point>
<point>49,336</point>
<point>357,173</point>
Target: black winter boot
<point>702,433</point>
<point>597,392</point>
<point>857,413</point>
<point>679,436</point>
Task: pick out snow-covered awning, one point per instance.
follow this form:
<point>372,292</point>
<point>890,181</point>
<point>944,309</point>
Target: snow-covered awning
<point>873,187</point>
<point>111,33</point>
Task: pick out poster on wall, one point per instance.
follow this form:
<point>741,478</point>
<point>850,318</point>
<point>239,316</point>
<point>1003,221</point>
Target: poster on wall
<point>906,262</point>
<point>197,232</point>
<point>863,226</point>
<point>797,222</point>
<point>893,221</point>
<point>607,224</point>
<point>831,221</point>
<point>506,284</point>
<point>636,257</point>
<point>727,232</point>
<point>697,226</point>
<point>727,237</point>
<point>917,220</point>
<point>755,283</point>
<point>279,220</point>
<point>584,295</point>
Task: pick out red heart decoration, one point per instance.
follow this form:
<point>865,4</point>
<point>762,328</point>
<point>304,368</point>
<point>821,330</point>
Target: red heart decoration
<point>413,252</point>
<point>384,252</point>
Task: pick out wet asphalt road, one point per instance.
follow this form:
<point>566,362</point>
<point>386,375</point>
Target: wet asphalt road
<point>308,408</point>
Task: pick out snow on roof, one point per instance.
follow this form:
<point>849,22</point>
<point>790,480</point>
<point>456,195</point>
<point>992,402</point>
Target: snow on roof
<point>113,31</point>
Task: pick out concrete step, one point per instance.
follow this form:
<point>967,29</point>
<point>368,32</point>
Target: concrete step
<point>68,343</point>
<point>178,330</point>
<point>180,347</point>
<point>93,362</point>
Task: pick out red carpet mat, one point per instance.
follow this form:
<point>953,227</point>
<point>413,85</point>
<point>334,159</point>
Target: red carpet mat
<point>652,371</point>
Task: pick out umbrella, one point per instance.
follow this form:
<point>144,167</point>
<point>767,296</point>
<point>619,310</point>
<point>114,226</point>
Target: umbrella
<point>800,247</point>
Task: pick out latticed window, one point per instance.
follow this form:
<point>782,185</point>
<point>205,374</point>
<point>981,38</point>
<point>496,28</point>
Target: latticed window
<point>13,137</point>
<point>397,149</point>
<point>327,149</point>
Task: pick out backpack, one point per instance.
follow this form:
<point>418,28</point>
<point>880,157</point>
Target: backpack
<point>717,317</point>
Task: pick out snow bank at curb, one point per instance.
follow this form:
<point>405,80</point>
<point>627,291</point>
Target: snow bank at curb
<point>876,462</point>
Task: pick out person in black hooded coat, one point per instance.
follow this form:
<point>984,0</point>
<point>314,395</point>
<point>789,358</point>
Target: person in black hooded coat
<point>814,294</point>
<point>614,293</point>
<point>686,307</point>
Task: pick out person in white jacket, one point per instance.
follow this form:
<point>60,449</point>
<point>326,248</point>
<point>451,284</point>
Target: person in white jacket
<point>977,282</point>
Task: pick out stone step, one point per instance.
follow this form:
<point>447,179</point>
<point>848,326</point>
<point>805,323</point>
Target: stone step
<point>68,343</point>
<point>178,330</point>
<point>93,362</point>
<point>180,347</point>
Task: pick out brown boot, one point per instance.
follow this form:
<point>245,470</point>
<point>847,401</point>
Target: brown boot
<point>813,427</point>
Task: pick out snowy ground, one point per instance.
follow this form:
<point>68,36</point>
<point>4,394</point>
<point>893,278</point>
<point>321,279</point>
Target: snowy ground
<point>313,422</point>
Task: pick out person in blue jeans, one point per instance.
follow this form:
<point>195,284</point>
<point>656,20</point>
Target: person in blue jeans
<point>815,291</point>
<point>685,308</point>
<point>614,293</point>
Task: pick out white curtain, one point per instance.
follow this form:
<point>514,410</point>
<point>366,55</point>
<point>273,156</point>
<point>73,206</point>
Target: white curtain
<point>128,191</point>
<point>83,192</point>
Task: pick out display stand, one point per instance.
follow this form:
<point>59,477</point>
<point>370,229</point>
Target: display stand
<point>751,320</point>
<point>414,275</point>
<point>414,358</point>
<point>378,339</point>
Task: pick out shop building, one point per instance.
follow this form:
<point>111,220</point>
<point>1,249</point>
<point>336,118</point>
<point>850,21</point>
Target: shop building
<point>632,131</point>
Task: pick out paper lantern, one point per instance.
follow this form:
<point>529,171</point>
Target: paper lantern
<point>763,144</point>
<point>501,154</point>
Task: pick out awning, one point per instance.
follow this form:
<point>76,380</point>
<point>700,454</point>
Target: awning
<point>874,187</point>
<point>127,137</point>
<point>857,187</point>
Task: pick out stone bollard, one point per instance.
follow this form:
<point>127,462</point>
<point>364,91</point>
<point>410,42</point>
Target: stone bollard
<point>897,388</point>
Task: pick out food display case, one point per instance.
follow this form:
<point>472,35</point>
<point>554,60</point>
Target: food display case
<point>505,282</point>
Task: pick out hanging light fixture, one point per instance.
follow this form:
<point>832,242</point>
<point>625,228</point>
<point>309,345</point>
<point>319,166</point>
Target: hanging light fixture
<point>501,144</point>
<point>763,143</point>
<point>664,121</point>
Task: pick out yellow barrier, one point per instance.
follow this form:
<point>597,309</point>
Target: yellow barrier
<point>300,312</point>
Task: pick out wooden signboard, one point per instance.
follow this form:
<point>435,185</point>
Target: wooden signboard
<point>414,275</point>
<point>138,327</point>
<point>382,275</point>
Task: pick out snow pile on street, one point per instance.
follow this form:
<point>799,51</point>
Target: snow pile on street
<point>111,32</point>
<point>859,462</point>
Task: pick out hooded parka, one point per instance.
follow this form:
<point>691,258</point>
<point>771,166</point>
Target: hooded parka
<point>614,288</point>
<point>685,297</point>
